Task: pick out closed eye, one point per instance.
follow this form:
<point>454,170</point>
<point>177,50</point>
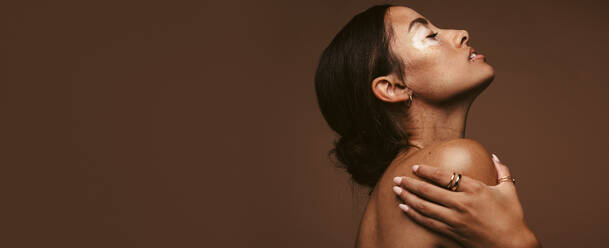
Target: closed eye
<point>434,35</point>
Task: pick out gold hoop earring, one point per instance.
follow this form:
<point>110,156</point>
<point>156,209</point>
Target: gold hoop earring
<point>410,100</point>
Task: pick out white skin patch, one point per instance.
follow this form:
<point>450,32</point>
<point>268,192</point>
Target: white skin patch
<point>421,41</point>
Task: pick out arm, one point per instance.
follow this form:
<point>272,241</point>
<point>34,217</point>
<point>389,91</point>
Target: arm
<point>396,230</point>
<point>476,215</point>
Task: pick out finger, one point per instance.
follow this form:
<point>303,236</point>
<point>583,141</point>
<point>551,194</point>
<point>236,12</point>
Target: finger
<point>502,171</point>
<point>429,191</point>
<point>425,207</point>
<point>439,176</point>
<point>442,177</point>
<point>429,222</point>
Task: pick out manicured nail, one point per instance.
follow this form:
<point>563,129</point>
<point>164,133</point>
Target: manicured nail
<point>397,190</point>
<point>496,158</point>
<point>403,207</point>
<point>397,180</point>
<point>415,168</point>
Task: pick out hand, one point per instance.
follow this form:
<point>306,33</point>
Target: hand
<point>476,215</point>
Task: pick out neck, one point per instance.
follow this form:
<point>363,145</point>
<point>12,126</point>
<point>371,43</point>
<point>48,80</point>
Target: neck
<point>429,124</point>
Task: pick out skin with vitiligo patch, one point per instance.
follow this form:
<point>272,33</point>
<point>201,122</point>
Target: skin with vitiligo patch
<point>443,83</point>
<point>419,42</point>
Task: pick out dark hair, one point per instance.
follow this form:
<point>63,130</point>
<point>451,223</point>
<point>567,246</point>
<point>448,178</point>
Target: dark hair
<point>369,136</point>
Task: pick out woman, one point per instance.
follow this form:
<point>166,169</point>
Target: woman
<point>397,89</point>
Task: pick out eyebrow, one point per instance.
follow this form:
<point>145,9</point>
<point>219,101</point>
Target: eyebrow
<point>418,20</point>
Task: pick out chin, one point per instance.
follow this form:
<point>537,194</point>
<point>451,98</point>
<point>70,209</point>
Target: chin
<point>485,74</point>
<point>489,75</point>
<point>480,82</point>
<point>484,82</point>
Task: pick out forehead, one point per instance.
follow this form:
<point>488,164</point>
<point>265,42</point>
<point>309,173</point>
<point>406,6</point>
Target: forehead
<point>401,16</point>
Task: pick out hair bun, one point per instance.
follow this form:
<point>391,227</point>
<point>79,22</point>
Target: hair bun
<point>364,159</point>
<point>370,136</point>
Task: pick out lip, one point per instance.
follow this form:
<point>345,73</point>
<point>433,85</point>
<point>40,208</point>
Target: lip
<point>478,55</point>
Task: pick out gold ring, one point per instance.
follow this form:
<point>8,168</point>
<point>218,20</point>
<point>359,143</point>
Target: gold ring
<point>506,179</point>
<point>456,185</point>
<point>450,184</point>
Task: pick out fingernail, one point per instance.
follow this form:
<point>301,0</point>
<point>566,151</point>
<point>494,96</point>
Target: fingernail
<point>403,207</point>
<point>415,168</point>
<point>397,190</point>
<point>496,158</point>
<point>397,180</point>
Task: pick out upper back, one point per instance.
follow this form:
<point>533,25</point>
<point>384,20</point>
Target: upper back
<point>385,225</point>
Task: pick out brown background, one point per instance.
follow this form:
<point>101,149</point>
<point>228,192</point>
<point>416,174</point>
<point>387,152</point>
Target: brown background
<point>195,124</point>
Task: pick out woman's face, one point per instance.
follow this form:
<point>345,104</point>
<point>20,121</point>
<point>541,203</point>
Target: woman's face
<point>437,67</point>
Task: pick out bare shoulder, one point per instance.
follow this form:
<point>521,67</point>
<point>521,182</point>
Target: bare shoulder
<point>463,155</point>
<point>388,226</point>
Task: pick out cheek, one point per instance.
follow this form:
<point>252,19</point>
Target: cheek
<point>429,76</point>
<point>437,78</point>
<point>456,72</point>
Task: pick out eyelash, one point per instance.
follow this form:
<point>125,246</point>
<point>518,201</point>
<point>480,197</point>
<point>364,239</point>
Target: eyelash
<point>434,35</point>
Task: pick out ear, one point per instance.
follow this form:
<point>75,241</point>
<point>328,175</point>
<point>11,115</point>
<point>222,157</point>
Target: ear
<point>389,89</point>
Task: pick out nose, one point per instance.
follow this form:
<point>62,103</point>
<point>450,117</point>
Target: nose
<point>462,38</point>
